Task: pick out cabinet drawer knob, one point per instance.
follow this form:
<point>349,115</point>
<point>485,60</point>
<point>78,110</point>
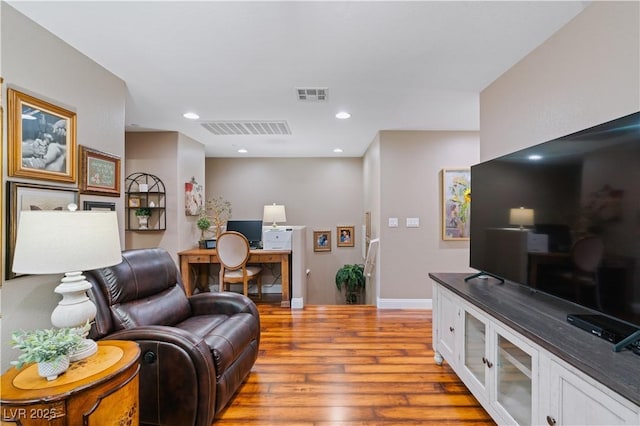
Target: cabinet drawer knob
<point>487,362</point>
<point>551,421</point>
<point>451,329</point>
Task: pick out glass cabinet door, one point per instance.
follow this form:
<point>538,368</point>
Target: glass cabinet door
<point>513,381</point>
<point>474,347</point>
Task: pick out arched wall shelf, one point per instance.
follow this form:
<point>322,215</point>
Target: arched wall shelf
<point>144,190</point>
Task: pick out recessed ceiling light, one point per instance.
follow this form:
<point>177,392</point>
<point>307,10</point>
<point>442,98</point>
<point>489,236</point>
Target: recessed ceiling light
<point>535,157</point>
<point>242,151</point>
<point>343,115</point>
<point>191,115</point>
<point>337,150</point>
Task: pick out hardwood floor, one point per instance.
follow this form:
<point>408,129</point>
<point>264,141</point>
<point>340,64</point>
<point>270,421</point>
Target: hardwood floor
<point>351,366</point>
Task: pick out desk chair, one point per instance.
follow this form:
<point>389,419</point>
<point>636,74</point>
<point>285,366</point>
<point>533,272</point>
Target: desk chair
<point>233,252</point>
<point>586,256</point>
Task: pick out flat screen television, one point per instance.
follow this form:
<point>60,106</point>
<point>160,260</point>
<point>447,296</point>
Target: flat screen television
<point>583,184</point>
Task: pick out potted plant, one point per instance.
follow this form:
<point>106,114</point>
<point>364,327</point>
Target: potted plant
<point>143,213</point>
<point>49,348</point>
<point>353,280</point>
<point>204,223</point>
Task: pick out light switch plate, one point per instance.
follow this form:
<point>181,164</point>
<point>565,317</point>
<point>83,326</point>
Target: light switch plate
<point>413,222</point>
<point>393,222</point>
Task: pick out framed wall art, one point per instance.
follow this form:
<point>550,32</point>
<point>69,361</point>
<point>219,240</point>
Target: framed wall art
<point>321,240</point>
<point>41,139</point>
<point>98,206</point>
<point>346,236</point>
<point>456,204</point>
<point>99,173</point>
<point>23,196</point>
<point>193,197</point>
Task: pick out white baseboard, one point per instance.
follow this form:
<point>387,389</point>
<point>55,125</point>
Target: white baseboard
<point>297,303</point>
<point>404,303</point>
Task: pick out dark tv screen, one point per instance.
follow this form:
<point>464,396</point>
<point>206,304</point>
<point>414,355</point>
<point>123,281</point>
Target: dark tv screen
<point>583,184</point>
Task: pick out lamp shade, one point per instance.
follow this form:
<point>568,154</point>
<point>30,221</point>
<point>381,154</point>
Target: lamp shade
<point>521,216</point>
<point>52,241</point>
<point>274,213</point>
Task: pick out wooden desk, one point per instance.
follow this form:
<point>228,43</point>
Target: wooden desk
<point>99,390</point>
<point>189,258</point>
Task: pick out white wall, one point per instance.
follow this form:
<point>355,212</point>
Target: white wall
<point>410,186</point>
<point>371,182</point>
<point>43,66</point>
<point>586,74</point>
<point>175,159</point>
<point>319,193</point>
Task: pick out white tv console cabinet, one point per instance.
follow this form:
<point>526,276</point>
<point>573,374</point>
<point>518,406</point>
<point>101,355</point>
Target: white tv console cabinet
<point>515,351</point>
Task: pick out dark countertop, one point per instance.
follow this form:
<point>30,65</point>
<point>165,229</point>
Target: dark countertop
<point>543,320</point>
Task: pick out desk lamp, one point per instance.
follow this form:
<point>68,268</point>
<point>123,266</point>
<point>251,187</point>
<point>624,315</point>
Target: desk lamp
<point>274,213</point>
<point>54,242</point>
<point>522,217</point>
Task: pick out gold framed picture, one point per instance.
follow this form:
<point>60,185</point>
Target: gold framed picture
<point>134,201</point>
<point>321,240</point>
<point>99,173</point>
<point>41,139</point>
<point>346,236</point>
<point>456,204</point>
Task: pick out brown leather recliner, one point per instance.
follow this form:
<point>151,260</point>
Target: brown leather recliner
<point>195,352</point>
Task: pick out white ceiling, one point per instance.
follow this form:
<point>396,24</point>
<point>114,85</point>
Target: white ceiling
<point>416,65</point>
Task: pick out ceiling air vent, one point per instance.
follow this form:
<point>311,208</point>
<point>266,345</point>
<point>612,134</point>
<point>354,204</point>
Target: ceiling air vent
<point>313,94</point>
<point>247,128</point>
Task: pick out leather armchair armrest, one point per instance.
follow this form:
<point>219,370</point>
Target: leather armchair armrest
<point>222,303</point>
<point>175,367</point>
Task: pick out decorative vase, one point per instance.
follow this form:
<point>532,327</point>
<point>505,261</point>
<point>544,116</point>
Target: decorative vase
<point>143,222</point>
<point>52,369</point>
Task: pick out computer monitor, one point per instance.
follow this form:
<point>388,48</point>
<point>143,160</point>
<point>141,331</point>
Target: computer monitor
<point>252,229</point>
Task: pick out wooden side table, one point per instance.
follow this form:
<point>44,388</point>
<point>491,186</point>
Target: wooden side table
<point>99,390</point>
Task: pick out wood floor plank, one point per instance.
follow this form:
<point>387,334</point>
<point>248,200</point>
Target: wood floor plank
<point>349,366</point>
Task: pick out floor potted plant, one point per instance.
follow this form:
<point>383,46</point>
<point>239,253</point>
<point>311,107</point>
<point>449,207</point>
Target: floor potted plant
<point>50,348</point>
<point>351,277</point>
<point>143,213</point>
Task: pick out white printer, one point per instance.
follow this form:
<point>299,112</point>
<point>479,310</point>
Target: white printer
<point>278,238</point>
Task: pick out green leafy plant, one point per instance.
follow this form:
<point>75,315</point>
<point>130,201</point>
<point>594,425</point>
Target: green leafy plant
<point>203,224</point>
<point>143,211</point>
<point>351,277</point>
<point>49,345</point>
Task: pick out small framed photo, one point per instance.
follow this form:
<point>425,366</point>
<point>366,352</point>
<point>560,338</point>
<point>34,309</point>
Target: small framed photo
<point>134,201</point>
<point>98,206</point>
<point>321,240</point>
<point>41,139</point>
<point>99,173</point>
<point>346,236</point>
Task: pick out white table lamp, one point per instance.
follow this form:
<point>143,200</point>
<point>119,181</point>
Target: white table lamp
<point>522,217</point>
<point>274,213</point>
<point>54,242</point>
